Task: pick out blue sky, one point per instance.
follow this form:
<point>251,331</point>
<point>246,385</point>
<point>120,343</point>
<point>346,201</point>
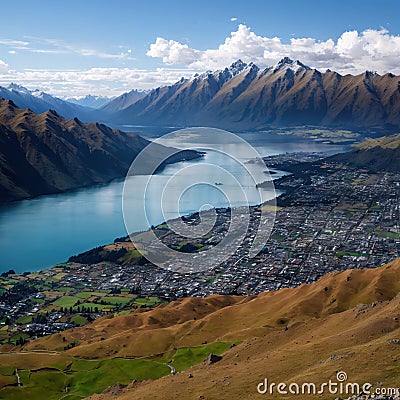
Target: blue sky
<point>107,47</point>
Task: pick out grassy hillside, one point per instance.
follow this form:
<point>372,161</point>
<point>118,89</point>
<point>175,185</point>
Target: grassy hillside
<point>346,321</point>
<point>381,154</point>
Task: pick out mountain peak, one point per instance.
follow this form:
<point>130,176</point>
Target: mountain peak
<point>237,66</point>
<point>287,62</point>
<point>18,88</point>
<point>52,113</point>
<point>370,74</point>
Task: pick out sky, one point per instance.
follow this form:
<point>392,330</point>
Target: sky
<point>103,47</point>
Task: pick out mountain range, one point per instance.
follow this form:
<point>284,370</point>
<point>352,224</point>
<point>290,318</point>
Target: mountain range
<point>45,153</point>
<point>89,100</point>
<point>243,96</point>
<point>39,102</point>
<point>123,101</point>
<point>87,108</point>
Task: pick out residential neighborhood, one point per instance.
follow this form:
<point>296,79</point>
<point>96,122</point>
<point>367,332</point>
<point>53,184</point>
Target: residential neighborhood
<point>329,219</point>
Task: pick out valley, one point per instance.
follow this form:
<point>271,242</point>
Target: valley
<point>44,153</point>
<point>200,201</point>
<point>330,218</point>
<point>109,321</point>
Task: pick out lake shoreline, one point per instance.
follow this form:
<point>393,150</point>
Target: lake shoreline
<point>51,228</point>
<point>102,183</point>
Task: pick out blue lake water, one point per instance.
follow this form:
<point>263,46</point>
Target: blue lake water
<point>38,233</point>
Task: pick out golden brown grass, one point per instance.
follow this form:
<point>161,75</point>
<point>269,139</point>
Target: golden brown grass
<point>342,322</point>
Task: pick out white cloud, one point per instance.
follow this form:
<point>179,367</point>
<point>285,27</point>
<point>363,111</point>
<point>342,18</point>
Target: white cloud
<point>61,47</point>
<point>233,19</point>
<point>172,52</point>
<point>101,81</point>
<point>3,67</point>
<point>55,46</point>
<point>352,52</point>
<point>13,42</point>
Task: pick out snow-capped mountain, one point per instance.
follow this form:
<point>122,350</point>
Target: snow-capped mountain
<point>287,63</point>
<point>90,100</point>
<point>18,88</point>
<point>244,96</point>
<point>123,101</point>
<point>39,102</point>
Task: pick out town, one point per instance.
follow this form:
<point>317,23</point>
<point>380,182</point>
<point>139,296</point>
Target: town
<point>329,217</point>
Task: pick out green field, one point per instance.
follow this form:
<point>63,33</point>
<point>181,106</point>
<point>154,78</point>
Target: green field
<point>85,295</point>
<point>38,301</point>
<point>78,320</point>
<point>66,301</point>
<point>389,235</point>
<point>186,357</point>
<point>278,238</point>
<point>123,312</point>
<point>116,300</point>
<point>150,302</point>
<point>26,319</point>
<point>15,338</point>
<point>83,378</point>
<point>93,306</point>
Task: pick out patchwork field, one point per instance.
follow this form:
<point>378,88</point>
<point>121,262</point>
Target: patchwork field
<point>61,376</point>
<point>347,321</point>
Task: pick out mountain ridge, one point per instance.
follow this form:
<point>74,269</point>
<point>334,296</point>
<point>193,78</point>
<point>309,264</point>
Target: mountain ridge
<point>123,101</point>
<point>89,100</point>
<point>45,153</point>
<point>376,155</point>
<point>39,102</point>
<point>243,96</point>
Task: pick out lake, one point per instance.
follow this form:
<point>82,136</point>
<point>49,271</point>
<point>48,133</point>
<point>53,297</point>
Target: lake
<point>41,232</point>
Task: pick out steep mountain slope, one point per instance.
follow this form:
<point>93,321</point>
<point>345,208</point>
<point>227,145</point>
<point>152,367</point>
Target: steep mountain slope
<point>347,321</point>
<point>44,153</point>
<point>190,321</point>
<point>361,342</point>
<point>382,154</point>
<point>243,96</point>
<point>123,101</point>
<point>182,103</point>
<point>39,102</point>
